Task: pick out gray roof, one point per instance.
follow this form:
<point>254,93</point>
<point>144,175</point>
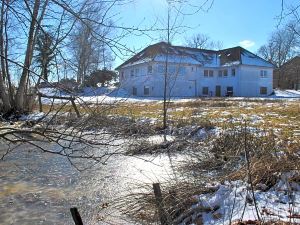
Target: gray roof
<point>202,57</point>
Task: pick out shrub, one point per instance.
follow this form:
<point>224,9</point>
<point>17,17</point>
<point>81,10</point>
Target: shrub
<point>100,76</point>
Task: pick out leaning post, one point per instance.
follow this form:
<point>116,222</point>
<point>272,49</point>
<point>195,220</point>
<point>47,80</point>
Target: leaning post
<point>75,107</point>
<point>76,216</point>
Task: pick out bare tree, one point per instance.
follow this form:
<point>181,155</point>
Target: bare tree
<point>88,50</point>
<point>203,41</point>
<point>25,19</point>
<point>177,10</point>
<point>281,47</point>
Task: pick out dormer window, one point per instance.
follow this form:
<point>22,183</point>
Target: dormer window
<point>150,69</point>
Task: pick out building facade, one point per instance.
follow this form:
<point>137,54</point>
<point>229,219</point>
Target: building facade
<point>189,72</point>
<point>288,76</point>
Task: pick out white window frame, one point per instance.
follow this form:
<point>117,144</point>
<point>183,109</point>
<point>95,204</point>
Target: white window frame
<point>263,73</point>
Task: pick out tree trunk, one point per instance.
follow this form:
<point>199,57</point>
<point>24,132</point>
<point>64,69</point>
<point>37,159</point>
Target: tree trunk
<point>22,89</point>
<point>3,74</point>
<point>10,86</point>
<point>4,96</point>
<point>165,107</point>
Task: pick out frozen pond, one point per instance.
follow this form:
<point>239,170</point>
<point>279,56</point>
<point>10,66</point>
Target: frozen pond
<point>40,188</point>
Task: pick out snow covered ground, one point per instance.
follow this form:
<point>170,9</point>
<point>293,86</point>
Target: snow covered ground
<point>109,95</point>
<point>287,94</point>
<point>233,201</point>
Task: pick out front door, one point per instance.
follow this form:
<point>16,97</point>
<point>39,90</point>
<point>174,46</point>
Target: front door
<point>218,91</point>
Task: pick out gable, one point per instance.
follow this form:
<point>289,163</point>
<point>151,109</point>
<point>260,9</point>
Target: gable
<point>203,57</point>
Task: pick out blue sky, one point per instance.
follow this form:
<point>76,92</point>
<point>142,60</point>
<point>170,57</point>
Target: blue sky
<point>233,22</point>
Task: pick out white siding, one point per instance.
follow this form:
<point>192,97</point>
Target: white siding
<point>246,82</point>
<point>250,81</point>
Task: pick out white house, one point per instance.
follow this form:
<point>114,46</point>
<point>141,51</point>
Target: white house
<point>196,72</point>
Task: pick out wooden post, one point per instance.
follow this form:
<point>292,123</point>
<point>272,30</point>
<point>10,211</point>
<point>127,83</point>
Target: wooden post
<point>40,103</point>
<point>159,203</point>
<point>72,99</point>
<point>76,216</point>
<point>75,108</point>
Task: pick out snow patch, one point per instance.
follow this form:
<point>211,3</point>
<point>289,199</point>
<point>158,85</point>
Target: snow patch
<point>159,139</point>
<point>229,202</point>
<point>32,117</point>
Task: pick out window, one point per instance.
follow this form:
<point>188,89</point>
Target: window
<point>122,75</point>
<point>263,90</point>
<point>132,73</point>
<point>205,90</point>
<point>263,74</point>
<point>150,69</point>
<point>229,92</point>
<point>206,73</point>
<point>233,72</point>
<point>136,72</point>
<point>192,69</point>
<point>209,73</point>
<point>134,91</point>
<point>146,90</point>
<point>225,73</point>
<point>220,73</point>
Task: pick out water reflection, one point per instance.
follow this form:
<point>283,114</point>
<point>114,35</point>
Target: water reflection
<point>39,188</point>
